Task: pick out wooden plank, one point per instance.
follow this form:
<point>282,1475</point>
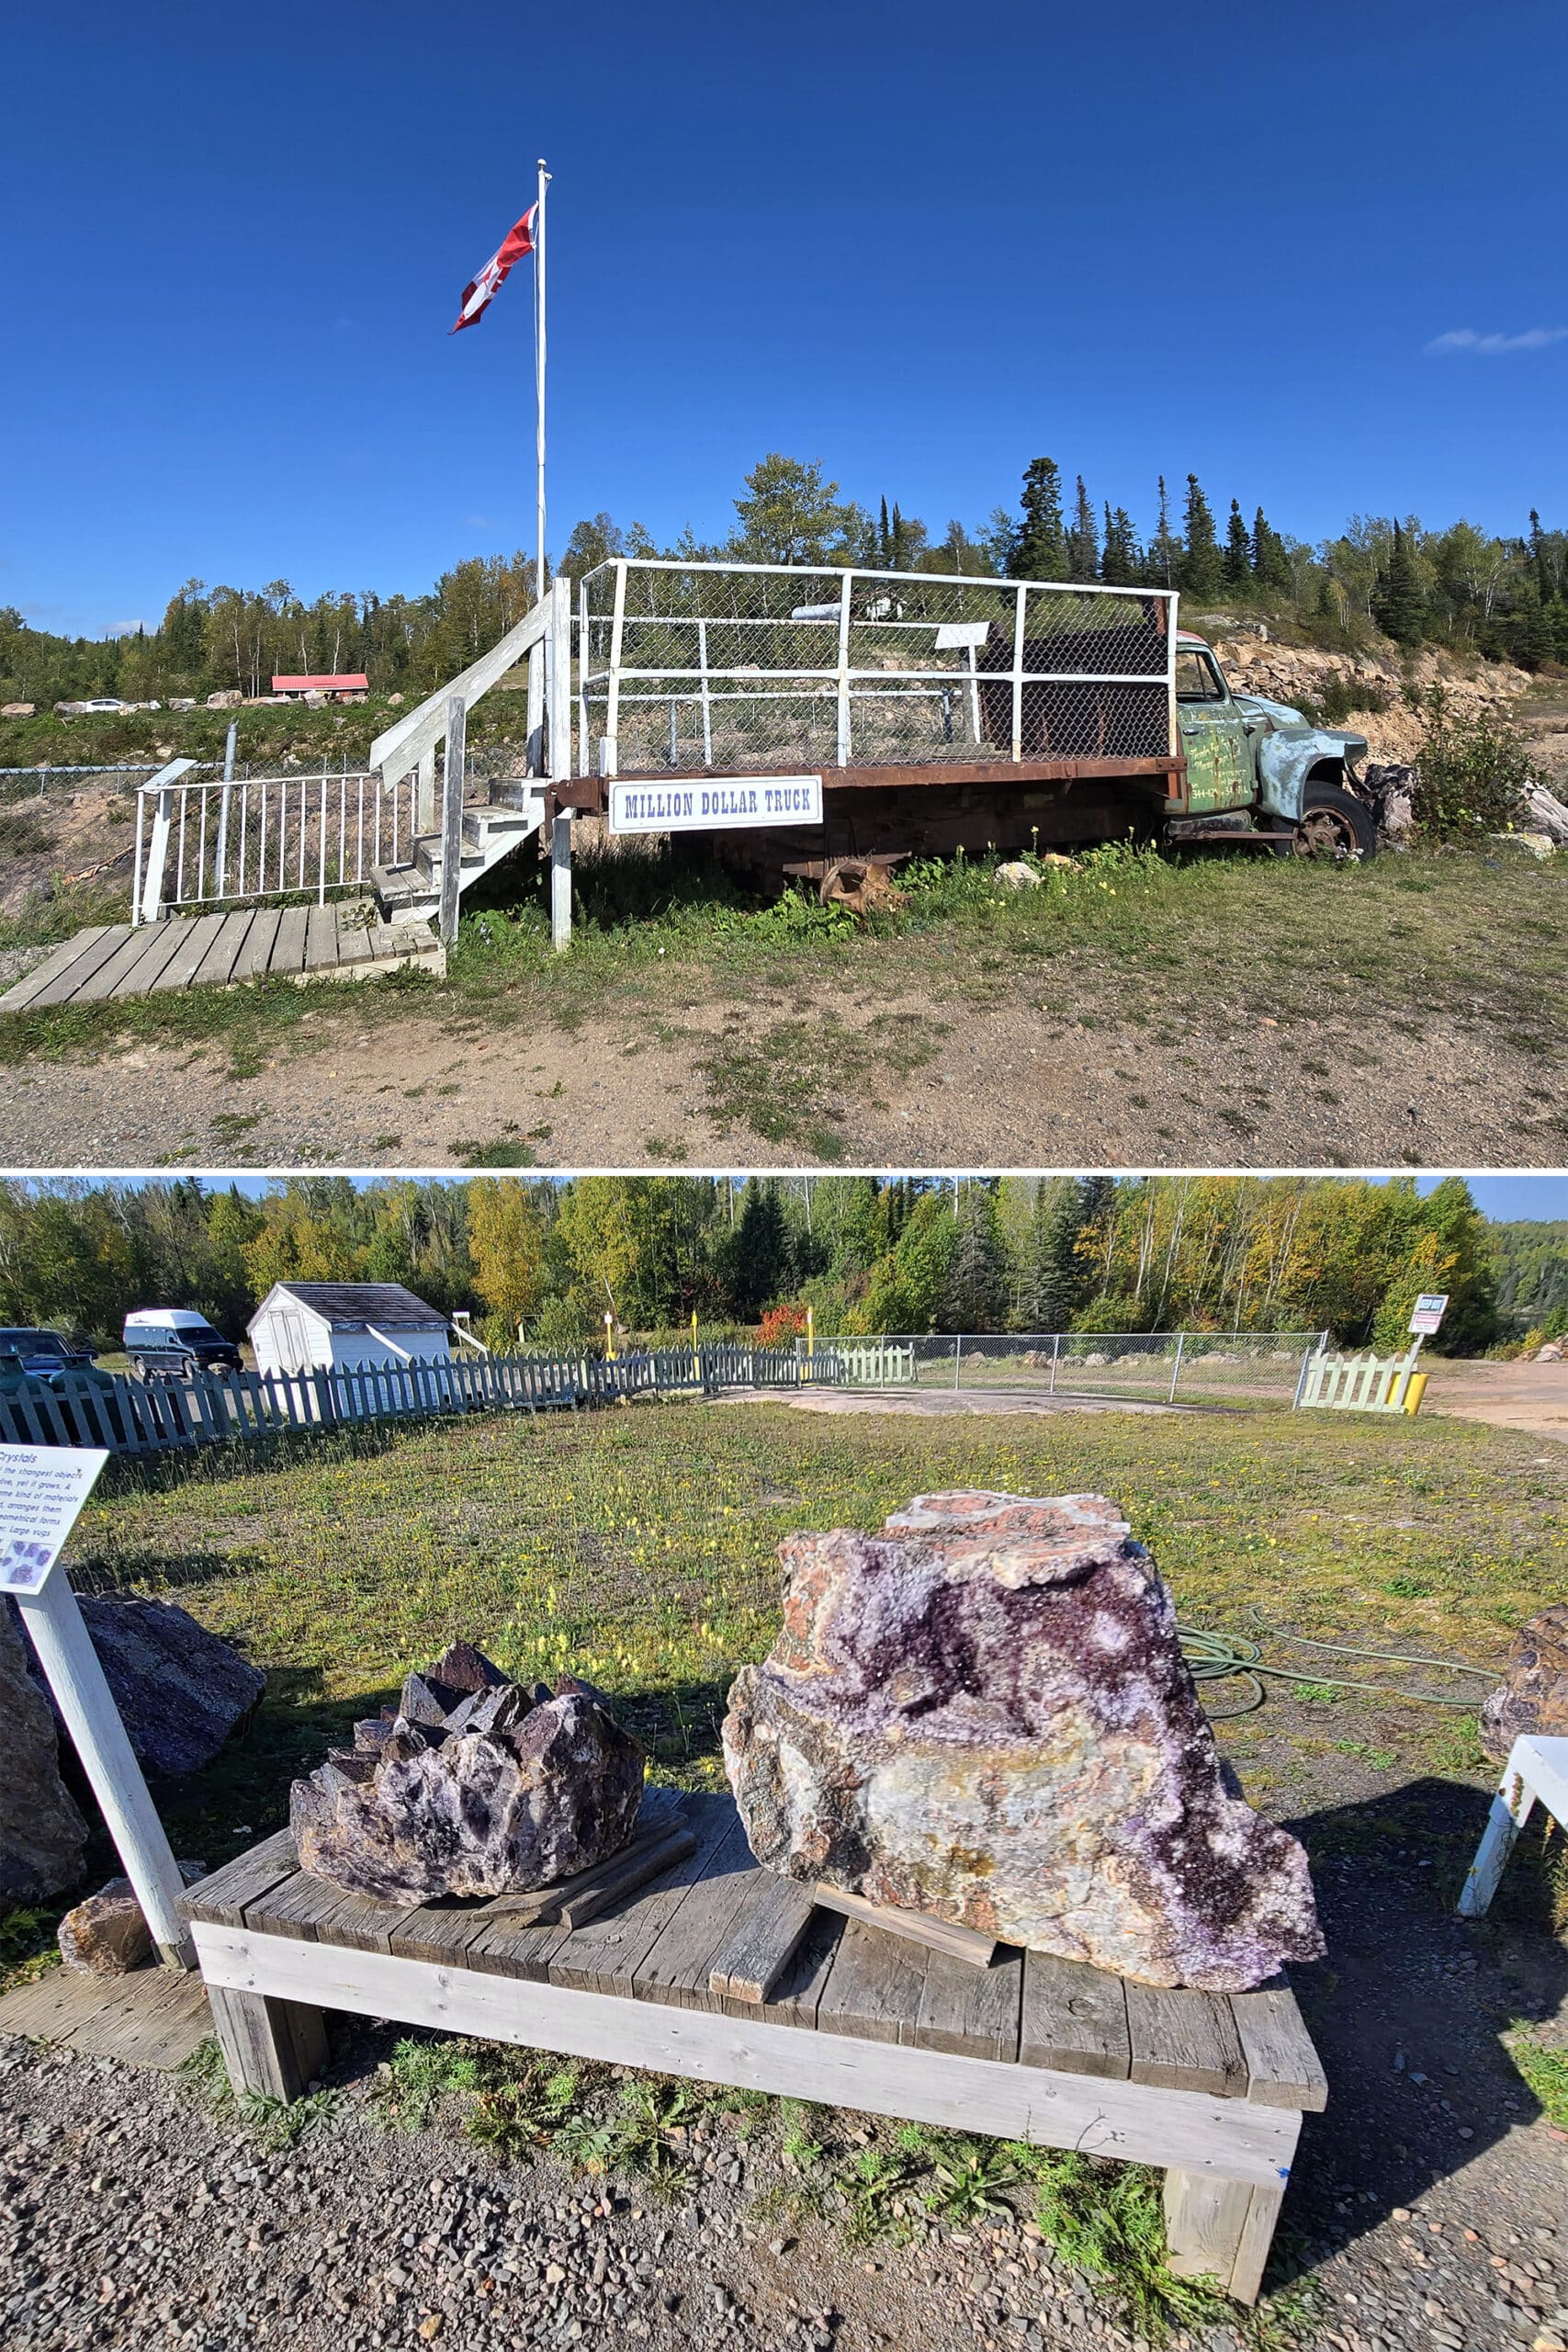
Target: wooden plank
<point>1185,2041</point>
<point>352,941</point>
<point>360,1924</point>
<point>437,1932</point>
<point>1140,2124</point>
<point>605,1955</point>
<point>288,954</point>
<point>149,947</point>
<point>294,1906</point>
<point>972,2011</point>
<point>255,955</point>
<point>767,1936</point>
<point>916,1926</point>
<point>219,961</point>
<point>63,988</point>
<point>1283,2067</point>
<point>1075,2018</point>
<point>627,1873</point>
<point>678,1966</point>
<point>222,1895</point>
<point>797,1992</point>
<point>154,2017</point>
<point>186,960</point>
<point>1220,2229</point>
<point>660,1812</point>
<point>272,2048</point>
<point>60,960</point>
<point>874,1986</point>
<point>320,939</point>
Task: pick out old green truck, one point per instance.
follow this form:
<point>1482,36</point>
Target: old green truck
<point>1263,767</point>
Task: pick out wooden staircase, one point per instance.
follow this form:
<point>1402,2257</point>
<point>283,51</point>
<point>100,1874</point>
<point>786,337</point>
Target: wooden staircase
<point>411,890</point>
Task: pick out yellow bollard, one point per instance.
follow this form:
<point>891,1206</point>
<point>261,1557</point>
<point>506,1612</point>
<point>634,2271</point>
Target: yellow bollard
<point>1414,1389</point>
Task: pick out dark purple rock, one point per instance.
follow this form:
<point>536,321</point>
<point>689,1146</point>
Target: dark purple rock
<point>181,1691</point>
<point>489,1793</point>
<point>1533,1698</point>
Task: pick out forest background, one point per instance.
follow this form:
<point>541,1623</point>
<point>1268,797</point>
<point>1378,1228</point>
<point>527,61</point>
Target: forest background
<point>1388,576</point>
<point>868,1254</point>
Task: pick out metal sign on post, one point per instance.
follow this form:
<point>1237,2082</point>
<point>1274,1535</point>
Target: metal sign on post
<point>1426,1315</point>
<point>42,1489</point>
<point>695,804</point>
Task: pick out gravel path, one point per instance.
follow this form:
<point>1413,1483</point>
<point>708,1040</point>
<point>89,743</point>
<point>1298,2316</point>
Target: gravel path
<point>1003,1087</point>
<point>1429,2206</point>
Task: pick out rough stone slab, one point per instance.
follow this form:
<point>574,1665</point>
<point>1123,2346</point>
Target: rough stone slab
<point>42,1835</point>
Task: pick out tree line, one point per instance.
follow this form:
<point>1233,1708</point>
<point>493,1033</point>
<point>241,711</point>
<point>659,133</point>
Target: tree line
<point>544,1263</point>
<point>1457,585</point>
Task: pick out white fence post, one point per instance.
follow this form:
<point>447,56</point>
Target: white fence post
<point>1181,1345</point>
<point>72,1669</point>
<point>451,819</point>
<point>560,880</point>
<point>844,614</point>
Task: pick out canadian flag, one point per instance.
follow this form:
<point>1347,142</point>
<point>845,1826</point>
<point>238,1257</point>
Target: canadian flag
<point>479,291</point>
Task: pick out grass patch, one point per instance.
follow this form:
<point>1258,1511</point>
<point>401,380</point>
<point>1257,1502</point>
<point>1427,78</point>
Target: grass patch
<point>1213,938</point>
<point>1544,2067</point>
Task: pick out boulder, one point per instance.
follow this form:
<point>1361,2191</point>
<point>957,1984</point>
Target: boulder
<point>1533,1697</point>
<point>1391,788</point>
<point>42,1835</point>
<point>475,1785</point>
<point>180,1691</point>
<point>226,698</point>
<point>984,1714</point>
<point>106,1935</point>
<point>1017,876</point>
<point>18,709</point>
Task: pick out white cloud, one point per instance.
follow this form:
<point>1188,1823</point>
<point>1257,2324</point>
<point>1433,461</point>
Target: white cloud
<point>1466,339</point>
<point>124,629</point>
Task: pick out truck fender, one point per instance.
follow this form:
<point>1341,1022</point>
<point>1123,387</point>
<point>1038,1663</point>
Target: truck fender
<point>1287,756</point>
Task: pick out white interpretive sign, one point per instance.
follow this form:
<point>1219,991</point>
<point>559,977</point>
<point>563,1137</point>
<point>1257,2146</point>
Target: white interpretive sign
<point>1426,1315</point>
<point>697,804</point>
<point>42,1489</point>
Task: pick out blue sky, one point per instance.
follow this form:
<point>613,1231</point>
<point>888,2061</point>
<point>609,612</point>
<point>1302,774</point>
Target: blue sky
<point>924,244</point>
<point>1505,1198</point>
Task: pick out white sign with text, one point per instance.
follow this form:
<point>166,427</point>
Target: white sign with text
<point>1426,1315</point>
<point>42,1489</point>
<point>696,804</point>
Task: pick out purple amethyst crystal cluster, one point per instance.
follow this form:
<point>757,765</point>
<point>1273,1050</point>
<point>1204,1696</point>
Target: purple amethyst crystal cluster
<point>475,1786</point>
<point>983,1713</point>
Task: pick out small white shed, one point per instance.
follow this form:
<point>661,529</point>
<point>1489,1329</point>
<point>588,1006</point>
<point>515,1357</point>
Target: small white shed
<point>345,1327</point>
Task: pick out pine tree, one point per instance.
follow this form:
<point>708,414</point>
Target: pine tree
<point>974,1293</point>
<point>1396,600</point>
<point>884,542</point>
<point>1040,549</point>
<point>1083,540</point>
<point>1201,571</point>
<point>1238,551</point>
<point>1270,565</point>
<point>1163,549</point>
<point>1120,564</point>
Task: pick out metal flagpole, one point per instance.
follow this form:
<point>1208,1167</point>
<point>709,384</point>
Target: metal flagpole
<point>539,371</point>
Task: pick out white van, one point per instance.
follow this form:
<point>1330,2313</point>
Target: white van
<point>171,1343</point>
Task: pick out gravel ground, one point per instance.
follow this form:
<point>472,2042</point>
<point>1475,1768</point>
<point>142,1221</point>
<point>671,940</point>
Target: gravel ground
<point>1004,1087</point>
<point>1429,2206</point>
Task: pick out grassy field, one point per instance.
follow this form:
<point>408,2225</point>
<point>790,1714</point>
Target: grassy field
<point>639,1546</point>
<point>1157,943</point>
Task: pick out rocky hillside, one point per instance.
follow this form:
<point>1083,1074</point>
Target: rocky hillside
<point>1379,704</point>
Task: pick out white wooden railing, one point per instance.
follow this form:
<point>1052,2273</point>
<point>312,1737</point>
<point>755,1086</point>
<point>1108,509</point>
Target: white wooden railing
<point>238,840</point>
<point>1366,1384</point>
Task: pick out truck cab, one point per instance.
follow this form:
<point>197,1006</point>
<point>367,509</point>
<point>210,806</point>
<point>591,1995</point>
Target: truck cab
<point>1266,762</point>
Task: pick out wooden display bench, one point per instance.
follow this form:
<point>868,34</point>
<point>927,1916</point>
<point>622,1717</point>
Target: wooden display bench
<point>1209,2087</point>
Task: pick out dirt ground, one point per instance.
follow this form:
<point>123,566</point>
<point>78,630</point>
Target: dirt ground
<point>421,1091</point>
<point>1510,1395</point>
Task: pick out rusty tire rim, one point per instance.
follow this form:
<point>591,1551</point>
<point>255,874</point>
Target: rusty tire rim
<point>1326,833</point>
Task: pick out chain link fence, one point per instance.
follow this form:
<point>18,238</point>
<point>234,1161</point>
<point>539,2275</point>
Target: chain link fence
<point>1240,1368</point>
<point>748,667</point>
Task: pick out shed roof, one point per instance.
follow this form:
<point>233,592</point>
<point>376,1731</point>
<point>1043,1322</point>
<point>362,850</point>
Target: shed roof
<point>347,681</point>
<point>356,1306</point>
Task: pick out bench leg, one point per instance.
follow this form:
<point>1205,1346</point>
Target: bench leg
<point>273,2048</point>
<point>1511,1808</point>
<point>1221,2229</point>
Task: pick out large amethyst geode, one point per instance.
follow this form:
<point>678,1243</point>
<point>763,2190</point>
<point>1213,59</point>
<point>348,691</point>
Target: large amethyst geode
<point>983,1713</point>
<point>474,1786</point>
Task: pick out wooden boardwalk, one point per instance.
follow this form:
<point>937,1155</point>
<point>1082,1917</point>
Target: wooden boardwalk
<point>154,2017</point>
<point>301,944</point>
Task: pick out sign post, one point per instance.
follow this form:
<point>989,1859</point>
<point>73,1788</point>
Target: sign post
<point>42,1489</point>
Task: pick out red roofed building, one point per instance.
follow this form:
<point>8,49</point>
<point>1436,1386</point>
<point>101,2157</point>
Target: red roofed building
<point>350,686</point>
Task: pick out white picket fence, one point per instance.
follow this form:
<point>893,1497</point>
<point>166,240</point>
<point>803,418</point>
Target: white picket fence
<point>878,1364</point>
<point>1357,1384</point>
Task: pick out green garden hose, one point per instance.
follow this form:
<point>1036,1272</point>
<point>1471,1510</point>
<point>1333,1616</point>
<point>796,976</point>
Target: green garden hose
<point>1214,1658</point>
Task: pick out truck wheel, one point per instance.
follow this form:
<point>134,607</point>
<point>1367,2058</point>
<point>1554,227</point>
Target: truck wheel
<point>1334,824</point>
